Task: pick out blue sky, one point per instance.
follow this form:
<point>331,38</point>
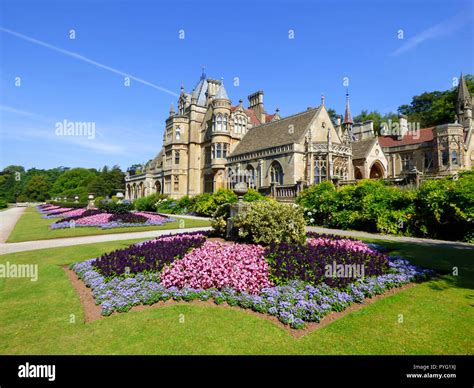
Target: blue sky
<point>82,79</point>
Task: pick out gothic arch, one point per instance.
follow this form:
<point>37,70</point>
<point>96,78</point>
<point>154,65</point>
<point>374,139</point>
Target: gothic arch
<point>276,173</point>
<point>376,170</point>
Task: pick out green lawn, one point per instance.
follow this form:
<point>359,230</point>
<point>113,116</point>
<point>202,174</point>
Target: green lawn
<point>31,226</point>
<point>35,316</point>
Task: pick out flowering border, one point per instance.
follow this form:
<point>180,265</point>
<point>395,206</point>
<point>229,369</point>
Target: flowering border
<point>293,304</point>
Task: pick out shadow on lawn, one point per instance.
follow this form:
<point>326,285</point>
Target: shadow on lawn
<point>454,265</point>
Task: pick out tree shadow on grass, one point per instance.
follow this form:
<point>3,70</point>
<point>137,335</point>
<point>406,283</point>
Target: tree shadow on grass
<point>454,264</point>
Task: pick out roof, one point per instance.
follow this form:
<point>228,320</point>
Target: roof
<point>221,93</point>
<point>463,91</point>
<point>276,133</point>
<point>361,148</point>
<point>155,163</point>
<point>347,113</point>
<point>426,134</point>
<point>199,92</point>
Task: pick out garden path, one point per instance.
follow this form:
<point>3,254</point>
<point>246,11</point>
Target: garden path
<point>8,219</point>
<point>64,242</point>
<point>418,240</point>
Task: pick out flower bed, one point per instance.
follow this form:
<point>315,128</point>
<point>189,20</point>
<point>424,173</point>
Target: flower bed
<point>189,267</point>
<point>70,218</point>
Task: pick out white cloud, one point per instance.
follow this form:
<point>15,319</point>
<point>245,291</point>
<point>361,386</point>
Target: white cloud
<point>441,29</point>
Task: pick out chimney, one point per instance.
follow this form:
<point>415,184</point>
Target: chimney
<point>256,103</point>
<point>403,123</point>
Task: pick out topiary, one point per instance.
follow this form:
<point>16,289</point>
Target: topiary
<point>267,221</point>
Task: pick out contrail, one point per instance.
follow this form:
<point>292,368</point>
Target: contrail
<point>85,59</point>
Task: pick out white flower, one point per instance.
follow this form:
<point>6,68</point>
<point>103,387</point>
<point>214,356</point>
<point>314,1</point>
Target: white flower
<point>311,220</point>
<point>310,214</point>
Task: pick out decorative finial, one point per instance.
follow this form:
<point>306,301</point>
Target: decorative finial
<point>277,110</point>
<point>203,74</point>
<point>171,109</point>
<point>182,88</point>
<point>322,99</point>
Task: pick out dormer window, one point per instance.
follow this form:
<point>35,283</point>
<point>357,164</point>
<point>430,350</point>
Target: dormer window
<point>240,123</point>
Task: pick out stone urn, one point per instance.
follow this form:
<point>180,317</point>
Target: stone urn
<point>240,189</point>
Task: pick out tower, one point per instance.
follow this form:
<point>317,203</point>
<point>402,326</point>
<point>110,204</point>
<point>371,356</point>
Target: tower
<point>464,104</point>
<point>347,124</point>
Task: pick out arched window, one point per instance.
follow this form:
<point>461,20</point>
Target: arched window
<point>250,176</point>
<point>219,123</point>
<point>276,173</point>
<point>445,157</point>
<point>178,133</point>
<point>454,158</point>
<point>224,123</point>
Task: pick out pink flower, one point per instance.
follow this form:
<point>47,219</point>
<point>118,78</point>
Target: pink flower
<point>239,266</point>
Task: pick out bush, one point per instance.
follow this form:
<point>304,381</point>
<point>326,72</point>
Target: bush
<point>98,201</point>
<point>442,208</point>
<point>267,222</point>
<point>115,207</point>
<point>3,204</point>
<point>148,203</point>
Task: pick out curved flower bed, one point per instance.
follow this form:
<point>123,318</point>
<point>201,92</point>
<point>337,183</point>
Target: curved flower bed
<point>186,267</point>
<point>70,218</point>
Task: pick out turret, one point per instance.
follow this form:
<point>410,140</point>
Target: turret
<point>347,124</point>
<point>464,104</point>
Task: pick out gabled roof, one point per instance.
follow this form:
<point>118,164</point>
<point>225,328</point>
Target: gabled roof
<point>361,148</point>
<point>288,130</point>
<point>426,134</point>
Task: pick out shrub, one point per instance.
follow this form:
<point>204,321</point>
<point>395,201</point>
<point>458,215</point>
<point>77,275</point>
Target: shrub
<point>219,219</point>
<point>3,204</point>
<point>115,207</point>
<point>267,222</point>
<point>166,205</point>
<point>98,201</point>
<point>148,203</point>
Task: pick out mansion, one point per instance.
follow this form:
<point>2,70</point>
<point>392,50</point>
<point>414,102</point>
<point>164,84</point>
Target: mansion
<point>209,144</point>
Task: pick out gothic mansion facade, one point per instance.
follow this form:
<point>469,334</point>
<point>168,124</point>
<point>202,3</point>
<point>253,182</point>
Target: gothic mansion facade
<point>209,144</point>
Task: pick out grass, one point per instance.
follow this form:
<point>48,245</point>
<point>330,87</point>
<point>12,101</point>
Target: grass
<point>31,226</point>
<point>46,317</point>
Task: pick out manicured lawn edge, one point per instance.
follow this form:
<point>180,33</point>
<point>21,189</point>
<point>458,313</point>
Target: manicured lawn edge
<point>32,227</point>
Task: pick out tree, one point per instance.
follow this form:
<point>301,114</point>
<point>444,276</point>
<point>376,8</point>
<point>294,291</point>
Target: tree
<point>73,182</point>
<point>37,188</point>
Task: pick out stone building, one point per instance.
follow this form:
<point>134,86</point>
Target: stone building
<point>209,143</point>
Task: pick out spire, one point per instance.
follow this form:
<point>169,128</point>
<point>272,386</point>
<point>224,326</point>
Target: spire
<point>464,97</point>
<point>221,92</point>
<point>172,110</point>
<point>347,114</point>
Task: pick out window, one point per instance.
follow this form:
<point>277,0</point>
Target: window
<point>445,157</point>
<point>226,150</point>
<point>219,150</point>
<point>219,123</point>
<point>176,157</point>
<point>407,162</point>
<point>428,160</point>
<point>319,171</point>
<point>168,158</point>
<point>207,154</point>
<point>178,133</point>
<point>454,158</point>
<point>224,124</point>
<point>176,184</point>
<point>276,173</point>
